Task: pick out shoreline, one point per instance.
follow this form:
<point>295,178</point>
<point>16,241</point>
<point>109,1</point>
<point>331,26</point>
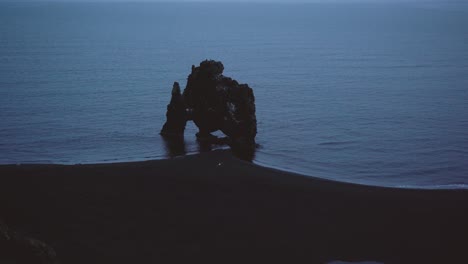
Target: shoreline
<point>447,187</point>
<point>214,207</point>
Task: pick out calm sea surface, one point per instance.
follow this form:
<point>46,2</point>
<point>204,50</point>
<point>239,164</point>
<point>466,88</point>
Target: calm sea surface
<point>374,94</point>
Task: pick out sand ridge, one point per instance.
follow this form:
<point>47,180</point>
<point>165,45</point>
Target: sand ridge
<point>213,207</point>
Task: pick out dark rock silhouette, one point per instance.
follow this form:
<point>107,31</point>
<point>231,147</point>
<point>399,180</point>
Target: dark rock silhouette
<point>214,102</point>
<point>176,114</point>
<point>15,248</point>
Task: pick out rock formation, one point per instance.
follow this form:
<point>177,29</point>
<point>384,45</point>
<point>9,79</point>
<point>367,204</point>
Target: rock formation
<point>215,102</point>
<point>176,114</point>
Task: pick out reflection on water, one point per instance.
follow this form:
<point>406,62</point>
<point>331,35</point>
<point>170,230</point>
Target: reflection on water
<point>174,146</point>
<point>177,146</point>
<point>246,153</point>
<point>204,146</point>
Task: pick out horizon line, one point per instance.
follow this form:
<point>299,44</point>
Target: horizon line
<point>241,1</point>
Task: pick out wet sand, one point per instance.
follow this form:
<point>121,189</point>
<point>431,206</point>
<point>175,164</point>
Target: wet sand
<point>214,208</point>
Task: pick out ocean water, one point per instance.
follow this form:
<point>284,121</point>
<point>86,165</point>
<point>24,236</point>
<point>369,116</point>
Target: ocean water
<point>367,93</point>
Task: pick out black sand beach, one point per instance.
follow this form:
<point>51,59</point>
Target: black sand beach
<point>215,208</point>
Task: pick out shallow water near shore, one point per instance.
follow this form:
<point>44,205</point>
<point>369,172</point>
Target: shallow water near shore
<point>366,93</point>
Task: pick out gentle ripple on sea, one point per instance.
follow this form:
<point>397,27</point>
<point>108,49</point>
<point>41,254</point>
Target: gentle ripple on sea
<point>373,94</point>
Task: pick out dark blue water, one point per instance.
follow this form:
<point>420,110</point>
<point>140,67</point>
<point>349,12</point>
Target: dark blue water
<point>374,94</point>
